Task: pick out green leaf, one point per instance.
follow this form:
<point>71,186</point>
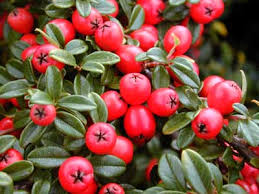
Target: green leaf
<point>210,151</point>
<point>141,57</point>
<point>81,85</point>
<point>232,189</point>
<point>6,142</point>
<point>20,192</point>
<point>160,77</point>
<point>244,86</point>
<point>52,11</point>
<point>41,187</point>
<point>176,2</point>
<point>175,13</point>
<point>5,77</point>
<point>55,33</point>
<point>195,30</point>
<point>74,144</point>
<point>157,54</point>
<point>54,82</point>
<point>103,6</point>
<point>185,137</point>
<point>14,89</point>
<point>108,166</point>
<point>255,162</point>
<point>93,67</point>
<point>216,176</point>
<point>63,3</point>
<point>249,131</point>
<point>5,179</point>
<point>153,190</point>
<point>48,157</point>
<point>171,192</point>
<point>103,57</point>
<point>52,138</point>
<point>176,122</point>
<point>18,47</point>
<point>196,171</point>
<point>41,98</point>
<point>21,118</point>
<point>28,70</point>
<point>131,41</point>
<point>31,134</point>
<point>63,56</point>
<point>171,173</point>
<point>127,6</point>
<point>76,47</point>
<point>69,125</point>
<point>240,108</point>
<point>194,1</point>
<point>15,68</point>
<point>100,114</point>
<point>188,97</point>
<point>83,7</point>
<point>19,170</point>
<point>77,102</point>
<point>137,18</point>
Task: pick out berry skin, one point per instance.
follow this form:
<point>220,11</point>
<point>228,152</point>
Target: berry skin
<point>223,95</point>
<point>116,12</point>
<point>244,185</point>
<point>126,154</point>
<point>9,157</point>
<point>109,36</point>
<point>250,173</point>
<point>30,39</point>
<point>7,124</point>
<point>41,59</point>
<point>207,124</point>
<point>206,10</point>
<point>2,22</point>
<point>183,34</point>
<point>76,174</point>
<point>20,20</point>
<point>87,25</point>
<point>209,82</point>
<point>163,102</point>
<point>14,101</point>
<point>151,165</point>
<point>115,105</point>
<point>152,29</point>
<point>91,189</point>
<point>135,88</point>
<point>146,38</point>
<point>100,138</point>
<point>29,52</point>
<point>139,124</point>
<point>111,188</point>
<point>66,27</point>
<point>128,63</point>
<point>153,10</point>
<point>43,115</point>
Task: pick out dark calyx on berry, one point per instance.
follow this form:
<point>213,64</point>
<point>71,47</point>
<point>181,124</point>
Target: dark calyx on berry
<point>78,176</point>
<point>100,136</point>
<point>202,128</point>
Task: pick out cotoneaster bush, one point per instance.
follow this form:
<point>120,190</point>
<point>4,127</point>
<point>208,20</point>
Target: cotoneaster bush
<point>102,96</point>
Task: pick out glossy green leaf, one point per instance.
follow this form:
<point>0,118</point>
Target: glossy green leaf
<point>185,137</point>
<point>54,82</point>
<point>160,77</point>
<point>41,187</point>
<point>176,2</point>
<point>21,118</point>
<point>15,68</point>
<point>74,144</point>
<point>142,57</point>
<point>244,86</point>
<point>5,179</point>
<point>153,190</point>
<point>63,3</point>
<point>216,176</point>
<point>249,131</point>
<point>41,98</point>
<point>127,6</point>
<point>171,192</point>
<point>63,56</point>
<point>52,138</point>
<point>137,18</point>
<point>48,157</point>
<point>52,11</point>
<point>194,1</point>
<point>103,57</point>
<point>103,6</point>
<point>5,77</point>
<point>6,142</point>
<point>175,13</point>
<point>81,85</point>
<point>240,108</point>
<point>76,47</point>
<point>55,33</point>
<point>83,7</point>
<point>195,30</point>
<point>157,54</point>
<point>14,89</point>
<point>18,47</point>
<point>232,189</point>
<point>93,67</point>
<point>28,70</point>
<point>20,192</point>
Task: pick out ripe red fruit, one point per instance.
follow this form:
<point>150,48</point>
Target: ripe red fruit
<point>139,124</point>
<point>29,52</point>
<point>76,174</point>
<point>30,39</point>
<point>9,157</point>
<point>115,4</point>
<point>14,101</point>
<point>115,105</point>
<point>146,38</point>
<point>153,10</point>
<point>209,83</point>
<point>254,189</point>
<point>91,189</point>
<point>7,124</point>
<point>207,124</point>
<point>43,115</point>
<point>112,188</point>
<point>66,27</point>
<point>206,10</point>
<point>135,88</point>
<point>223,95</point>
<point>151,165</point>
<point>41,59</point>
<point>100,138</point>
<point>2,22</point>
<point>250,173</point>
<point>109,36</point>
<point>128,63</point>
<point>255,150</point>
<point>244,185</point>
<point>87,25</point>
<point>183,34</point>
<point>152,29</point>
<point>163,102</point>
<point>20,20</point>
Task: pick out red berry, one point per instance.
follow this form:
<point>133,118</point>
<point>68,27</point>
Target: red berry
<point>135,88</point>
<point>128,63</point>
<point>2,22</point>
<point>87,25</point>
<point>146,38</point>
<point>183,34</point>
<point>207,124</point>
<point>7,124</point>
<point>255,150</point>
<point>244,185</point>
<point>41,59</point>
<point>20,20</point>
<point>126,154</point>
<point>163,102</point>
<point>139,124</point>
<point>14,101</point>
<point>150,28</point>
<point>115,4</point>
<point>111,188</point>
<point>43,115</point>
<point>209,82</point>
<point>250,173</point>
<point>66,27</point>
<point>206,10</point>
<point>100,138</point>
<point>109,36</point>
<point>30,39</point>
<point>9,157</point>
<point>76,174</point>
<point>3,101</point>
<point>91,189</point>
<point>29,52</point>
<point>153,10</point>
<point>151,165</point>
<point>115,105</point>
<point>223,95</point>
<point>254,189</point>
